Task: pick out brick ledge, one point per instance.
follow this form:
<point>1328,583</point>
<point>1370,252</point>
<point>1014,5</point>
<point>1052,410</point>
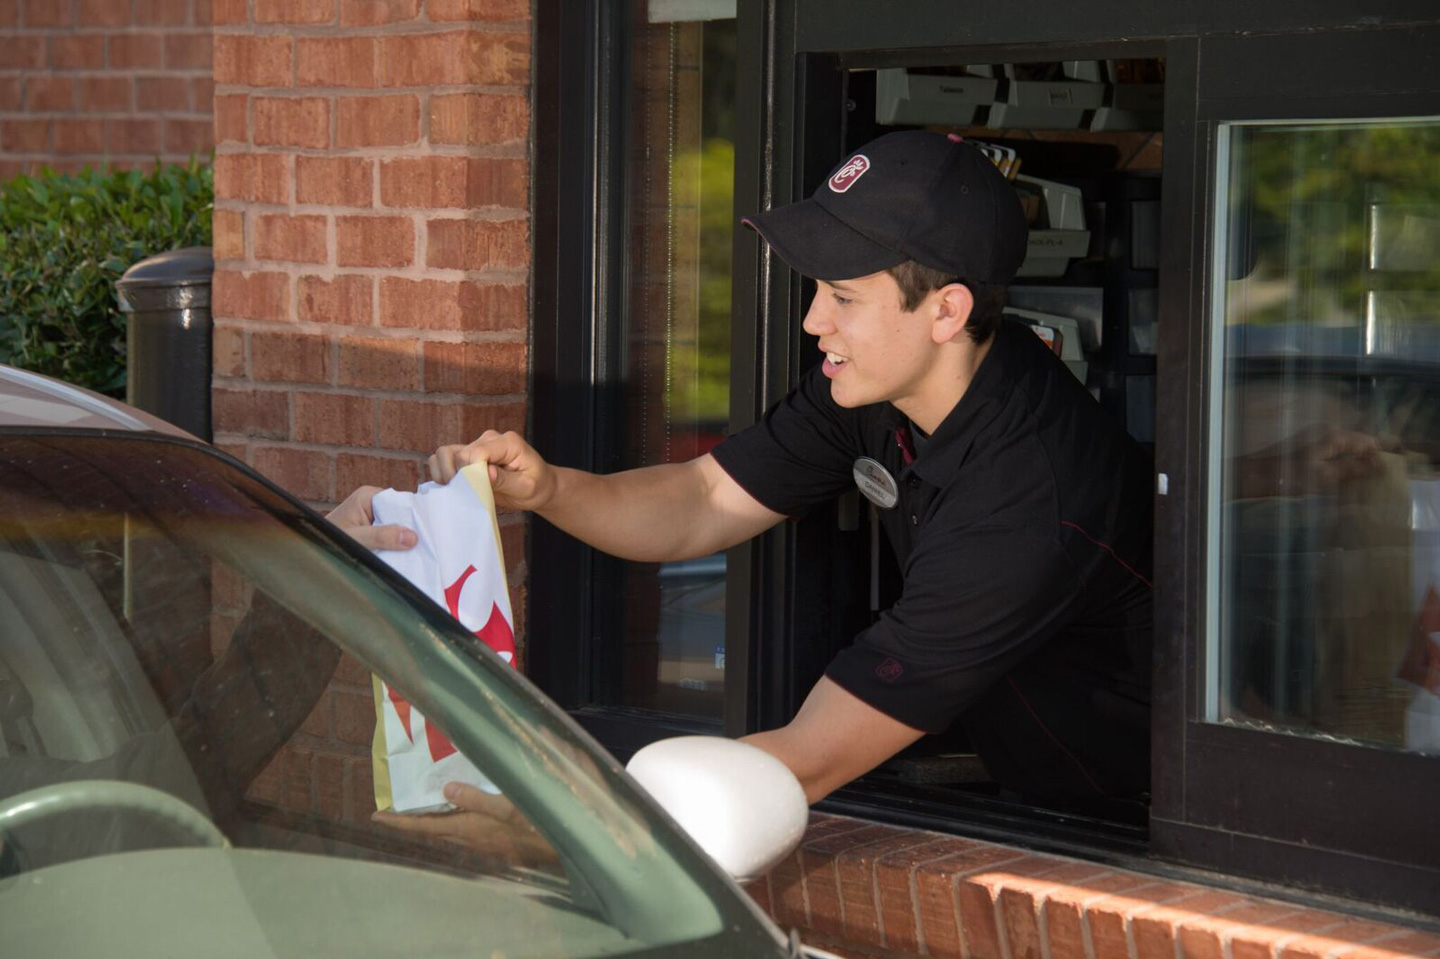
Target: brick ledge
<point>874,891</point>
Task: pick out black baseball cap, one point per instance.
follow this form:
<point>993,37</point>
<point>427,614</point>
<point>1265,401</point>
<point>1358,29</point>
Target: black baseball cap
<point>910,195</point>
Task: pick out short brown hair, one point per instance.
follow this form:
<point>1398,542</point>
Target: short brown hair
<point>917,281</point>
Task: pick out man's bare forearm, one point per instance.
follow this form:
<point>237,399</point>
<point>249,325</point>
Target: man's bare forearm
<point>652,514</point>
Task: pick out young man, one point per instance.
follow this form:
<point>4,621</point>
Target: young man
<point>1020,516</point>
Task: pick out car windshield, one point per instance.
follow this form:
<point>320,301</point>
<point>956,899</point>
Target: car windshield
<point>187,719</point>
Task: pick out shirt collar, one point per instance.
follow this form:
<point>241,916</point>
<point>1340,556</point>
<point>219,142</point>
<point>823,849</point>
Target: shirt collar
<point>950,443</point>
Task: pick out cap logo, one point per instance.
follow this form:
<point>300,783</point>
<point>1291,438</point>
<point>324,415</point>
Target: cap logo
<point>853,170</point>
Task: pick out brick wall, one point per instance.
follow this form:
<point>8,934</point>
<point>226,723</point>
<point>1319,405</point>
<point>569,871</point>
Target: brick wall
<point>88,82</point>
<point>372,248</point>
<point>869,890</point>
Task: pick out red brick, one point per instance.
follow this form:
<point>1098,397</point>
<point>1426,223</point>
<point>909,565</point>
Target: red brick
<point>77,52</point>
<point>79,136</point>
<point>305,474</point>
<point>335,62</point>
<point>231,122</point>
<point>294,11</point>
<point>445,181</point>
<point>855,871</point>
<point>374,241</point>
<point>291,238</point>
<point>130,135</point>
<point>330,786</point>
<point>787,891</point>
<point>228,348</point>
<point>48,13</point>
<point>46,94</point>
<point>377,121</point>
<point>105,95</point>
<point>477,417</point>
<point>478,244</point>
<point>253,61</point>
<point>1019,906</point>
<point>759,890</point>
<point>349,672</point>
<point>334,419</point>
<point>253,413</point>
<point>1349,932</point>
<point>1154,930</point>
<point>135,51</point>
<point>228,227</point>
<point>479,118</point>
<point>512,549</point>
<point>290,357</point>
<point>202,94</point>
<point>420,426</point>
<point>452,305</point>
<point>252,296</point>
<point>459,57</point>
<point>9,13</point>
<point>334,181</point>
<point>228,12</point>
<point>162,13</point>
<point>1258,941</point>
<point>104,13</point>
<point>1110,918</point>
<point>354,718</point>
<point>366,13</point>
<point>1065,910</point>
<point>188,51</point>
<point>25,136</point>
<point>485,369</point>
<point>354,470</point>
<point>258,177</point>
<point>379,364</point>
<point>291,121</point>
<point>1404,944</point>
<point>20,52</point>
<point>478,9</point>
<point>188,136</point>
<point>359,790</point>
<point>346,299</point>
<point>161,95</point>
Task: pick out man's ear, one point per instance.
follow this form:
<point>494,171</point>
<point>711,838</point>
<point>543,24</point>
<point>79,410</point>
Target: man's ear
<point>953,304</point>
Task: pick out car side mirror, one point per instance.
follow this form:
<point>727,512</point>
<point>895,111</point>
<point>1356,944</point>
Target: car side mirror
<point>739,803</point>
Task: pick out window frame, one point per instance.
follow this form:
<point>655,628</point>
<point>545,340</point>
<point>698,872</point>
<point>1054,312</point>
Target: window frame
<point>1345,61</point>
<point>1238,799</point>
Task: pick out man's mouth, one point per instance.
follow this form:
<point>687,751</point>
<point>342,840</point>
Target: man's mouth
<point>835,358</point>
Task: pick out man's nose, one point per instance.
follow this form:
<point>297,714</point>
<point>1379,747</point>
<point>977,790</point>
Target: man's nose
<point>817,319</point>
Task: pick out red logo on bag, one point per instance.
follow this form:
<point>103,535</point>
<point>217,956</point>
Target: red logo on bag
<point>853,170</point>
<point>496,633</point>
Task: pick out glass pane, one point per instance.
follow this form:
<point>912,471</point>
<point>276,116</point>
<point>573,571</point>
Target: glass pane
<point>677,336</point>
<point>1325,503</point>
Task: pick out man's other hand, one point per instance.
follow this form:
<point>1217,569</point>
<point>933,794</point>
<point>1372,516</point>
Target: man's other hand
<point>519,476</point>
<point>356,516</point>
<point>485,823</point>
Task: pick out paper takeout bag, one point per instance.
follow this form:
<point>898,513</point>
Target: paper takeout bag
<point>458,564</point>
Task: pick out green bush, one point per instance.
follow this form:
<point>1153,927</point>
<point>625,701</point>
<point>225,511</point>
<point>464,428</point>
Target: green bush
<point>64,241</point>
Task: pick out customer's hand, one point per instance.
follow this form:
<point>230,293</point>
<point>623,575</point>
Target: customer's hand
<point>519,476</point>
<point>483,822</point>
<point>356,516</point>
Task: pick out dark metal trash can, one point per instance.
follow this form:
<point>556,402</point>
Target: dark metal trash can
<point>168,336</point>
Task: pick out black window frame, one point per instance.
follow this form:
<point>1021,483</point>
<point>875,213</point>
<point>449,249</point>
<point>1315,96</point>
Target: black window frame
<point>1245,804</point>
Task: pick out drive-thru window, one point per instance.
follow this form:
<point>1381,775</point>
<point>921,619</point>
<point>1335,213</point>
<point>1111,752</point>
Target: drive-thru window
<point>1235,246</point>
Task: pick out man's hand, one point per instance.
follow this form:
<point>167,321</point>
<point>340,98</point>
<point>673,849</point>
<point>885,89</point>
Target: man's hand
<point>519,476</point>
<point>356,516</point>
<point>482,822</point>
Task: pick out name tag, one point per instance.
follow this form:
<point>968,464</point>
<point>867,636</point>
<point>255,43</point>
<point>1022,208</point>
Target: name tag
<point>876,482</point>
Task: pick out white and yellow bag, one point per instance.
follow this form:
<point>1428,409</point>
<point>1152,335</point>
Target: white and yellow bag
<point>458,563</point>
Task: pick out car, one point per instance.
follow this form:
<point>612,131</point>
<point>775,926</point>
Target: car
<point>182,648</point>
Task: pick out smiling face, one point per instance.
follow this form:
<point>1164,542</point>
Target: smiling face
<point>877,352</point>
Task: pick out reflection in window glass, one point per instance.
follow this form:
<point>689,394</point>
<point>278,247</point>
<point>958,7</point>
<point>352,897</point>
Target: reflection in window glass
<point>677,332</point>
<point>1325,502</point>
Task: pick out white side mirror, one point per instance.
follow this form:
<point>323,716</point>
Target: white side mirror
<point>742,805</point>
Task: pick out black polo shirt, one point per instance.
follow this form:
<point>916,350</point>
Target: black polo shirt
<point>1023,533</point>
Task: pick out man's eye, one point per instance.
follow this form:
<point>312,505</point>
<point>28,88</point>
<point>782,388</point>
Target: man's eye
<point>842,300</point>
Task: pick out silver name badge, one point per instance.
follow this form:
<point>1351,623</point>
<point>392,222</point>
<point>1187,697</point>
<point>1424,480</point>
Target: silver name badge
<point>876,483</point>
